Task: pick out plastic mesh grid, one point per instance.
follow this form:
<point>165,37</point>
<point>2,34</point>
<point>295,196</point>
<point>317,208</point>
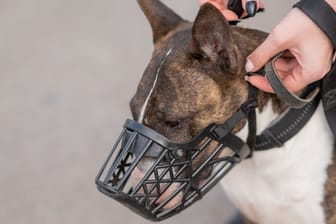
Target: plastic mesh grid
<point>169,177</point>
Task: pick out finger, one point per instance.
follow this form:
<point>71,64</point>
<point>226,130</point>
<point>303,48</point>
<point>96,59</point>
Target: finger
<point>289,81</point>
<point>294,84</point>
<point>262,54</point>
<point>222,3</point>
<point>228,14</point>
<point>260,82</point>
<point>285,65</point>
<point>260,5</point>
<point>202,2</point>
<point>287,54</point>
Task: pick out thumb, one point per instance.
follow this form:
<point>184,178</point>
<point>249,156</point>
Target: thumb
<point>262,54</point>
<point>201,2</point>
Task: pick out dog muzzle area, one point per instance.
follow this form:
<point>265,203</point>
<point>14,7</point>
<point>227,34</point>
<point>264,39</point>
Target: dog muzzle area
<point>157,178</point>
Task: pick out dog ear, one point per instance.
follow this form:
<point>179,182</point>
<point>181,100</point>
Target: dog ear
<point>212,38</point>
<point>161,18</point>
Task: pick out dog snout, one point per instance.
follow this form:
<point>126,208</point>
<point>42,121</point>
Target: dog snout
<point>155,185</point>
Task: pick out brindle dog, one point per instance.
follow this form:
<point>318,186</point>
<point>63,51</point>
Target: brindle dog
<point>202,82</point>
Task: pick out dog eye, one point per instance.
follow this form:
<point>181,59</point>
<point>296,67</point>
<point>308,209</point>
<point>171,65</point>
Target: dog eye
<point>198,56</point>
<point>173,123</point>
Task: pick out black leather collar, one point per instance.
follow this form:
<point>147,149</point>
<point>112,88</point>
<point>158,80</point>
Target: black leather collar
<point>283,128</point>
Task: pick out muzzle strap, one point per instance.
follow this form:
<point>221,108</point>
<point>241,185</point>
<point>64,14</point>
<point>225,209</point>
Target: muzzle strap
<point>252,103</point>
<point>223,131</point>
<point>238,146</point>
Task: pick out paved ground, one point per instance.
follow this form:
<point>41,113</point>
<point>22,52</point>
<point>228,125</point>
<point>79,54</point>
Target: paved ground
<point>67,71</point>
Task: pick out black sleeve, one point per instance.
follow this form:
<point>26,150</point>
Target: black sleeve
<point>322,14</point>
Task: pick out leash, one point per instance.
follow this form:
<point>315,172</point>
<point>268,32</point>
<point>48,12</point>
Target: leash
<point>294,118</point>
<point>324,16</point>
<point>289,123</point>
<point>301,109</point>
<point>281,90</point>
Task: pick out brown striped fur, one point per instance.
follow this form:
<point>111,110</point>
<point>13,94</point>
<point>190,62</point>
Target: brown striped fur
<point>202,81</point>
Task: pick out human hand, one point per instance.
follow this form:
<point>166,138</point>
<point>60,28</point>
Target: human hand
<point>308,57</point>
<point>222,5</point>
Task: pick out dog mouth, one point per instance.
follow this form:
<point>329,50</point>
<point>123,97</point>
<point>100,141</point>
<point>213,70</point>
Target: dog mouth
<point>159,185</point>
<point>157,178</point>
<point>166,183</point>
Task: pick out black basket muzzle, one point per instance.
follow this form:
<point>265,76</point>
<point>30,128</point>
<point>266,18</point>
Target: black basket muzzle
<point>158,178</point>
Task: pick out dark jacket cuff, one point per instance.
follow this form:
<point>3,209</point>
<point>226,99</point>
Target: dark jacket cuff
<point>322,14</point>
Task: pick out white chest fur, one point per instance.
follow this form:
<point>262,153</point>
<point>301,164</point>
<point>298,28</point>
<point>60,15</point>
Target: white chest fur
<point>284,185</point>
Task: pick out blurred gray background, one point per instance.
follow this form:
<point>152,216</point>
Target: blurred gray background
<point>68,69</point>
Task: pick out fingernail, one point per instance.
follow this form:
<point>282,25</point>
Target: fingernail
<point>246,78</point>
<point>249,65</point>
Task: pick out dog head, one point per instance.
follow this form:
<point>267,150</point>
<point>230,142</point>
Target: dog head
<point>194,80</point>
<point>195,77</point>
<point>201,81</point>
